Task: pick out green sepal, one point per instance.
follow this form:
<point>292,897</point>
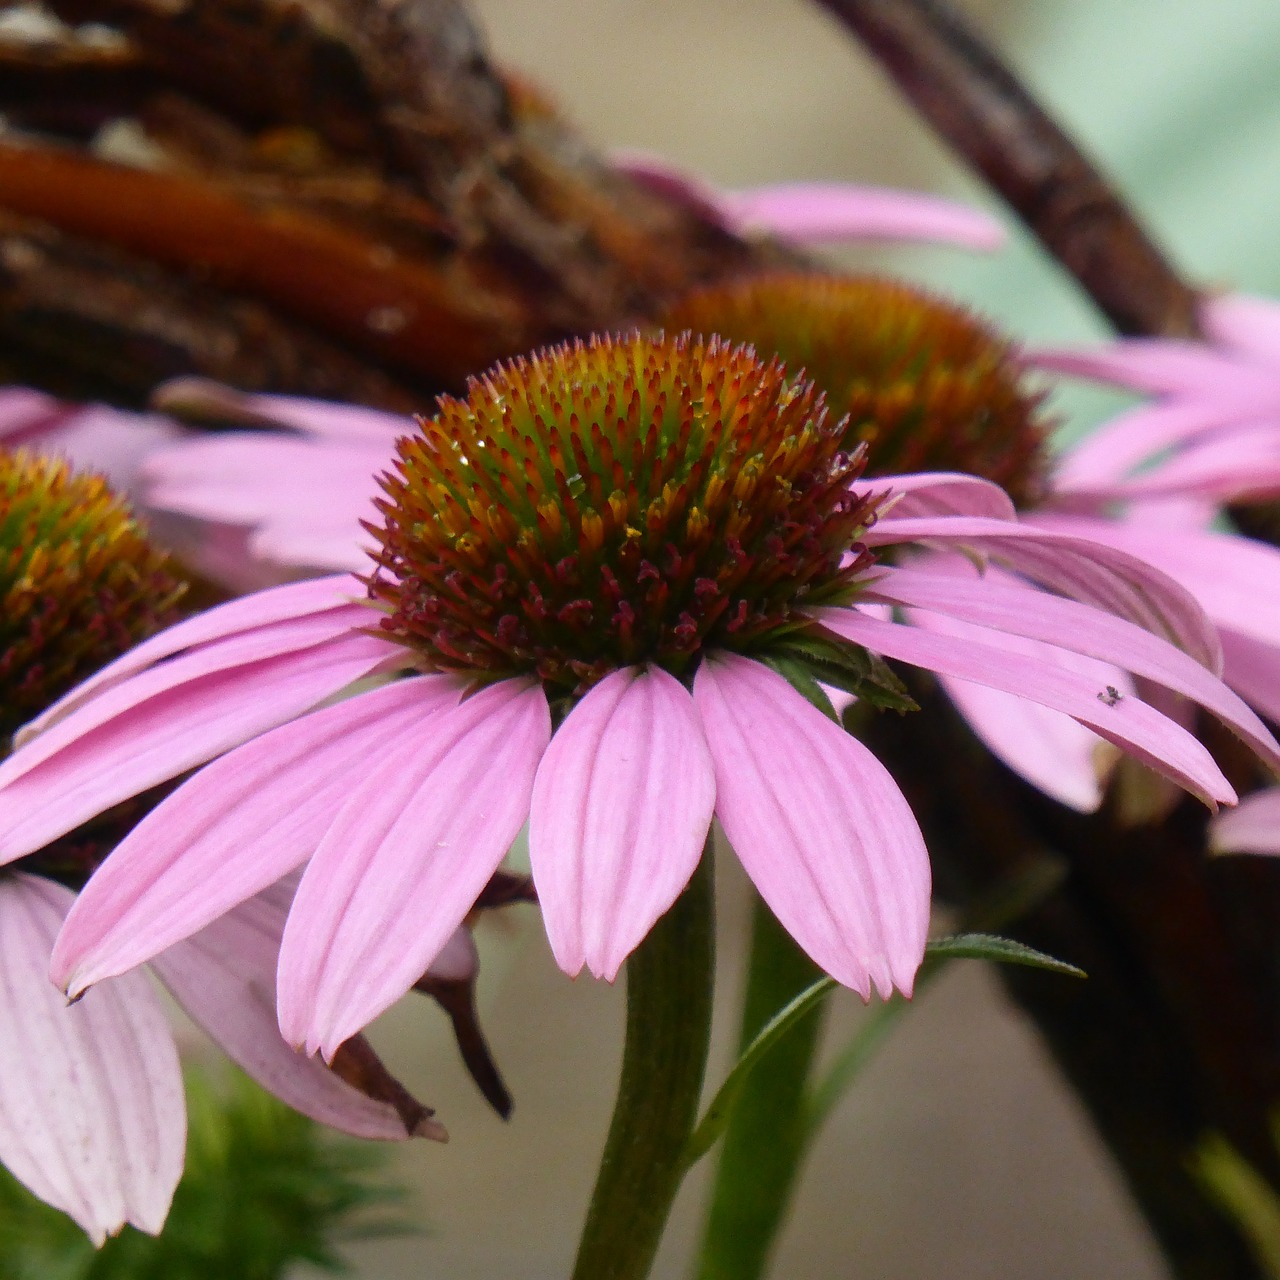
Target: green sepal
<point>840,663</point>
<point>799,677</point>
<point>990,946</point>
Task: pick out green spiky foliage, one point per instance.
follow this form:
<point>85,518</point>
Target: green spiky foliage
<point>926,384</point>
<point>264,1189</point>
<point>79,583</point>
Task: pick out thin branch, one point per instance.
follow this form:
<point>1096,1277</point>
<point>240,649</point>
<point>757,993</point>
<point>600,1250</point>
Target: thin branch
<point>972,99</point>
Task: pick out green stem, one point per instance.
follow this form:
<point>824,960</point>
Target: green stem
<point>765,1142</point>
<point>669,988</point>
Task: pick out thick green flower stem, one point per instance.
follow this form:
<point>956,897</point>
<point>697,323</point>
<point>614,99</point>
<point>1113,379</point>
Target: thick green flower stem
<point>669,988</point>
<point>765,1143</point>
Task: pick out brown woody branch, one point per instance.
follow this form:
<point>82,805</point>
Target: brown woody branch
<point>972,99</point>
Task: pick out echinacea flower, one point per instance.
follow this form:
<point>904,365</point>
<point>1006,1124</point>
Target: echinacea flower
<point>1154,480</point>
<point>91,1104</point>
<point>614,580</point>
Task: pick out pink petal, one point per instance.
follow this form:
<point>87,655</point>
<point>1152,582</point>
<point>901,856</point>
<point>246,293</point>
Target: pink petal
<point>1128,722</point>
<point>23,410</point>
<point>1009,607</point>
<point>826,212</point>
<point>1109,453</point>
<point>231,831</point>
<point>1252,827</point>
<point>941,493</point>
<point>225,978</point>
<point>406,859</point>
<point>91,1107</point>
<point>324,596</point>
<point>95,759</point>
<point>621,808</point>
<point>1161,366</point>
<point>324,418</point>
<point>1240,465</point>
<point>1059,553</point>
<point>1236,580</point>
<point>1253,670</point>
<point>1053,752</point>
<point>1250,325</point>
<point>819,824</point>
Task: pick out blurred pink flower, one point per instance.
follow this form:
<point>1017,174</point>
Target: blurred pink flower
<point>812,213</point>
<point>1150,483</point>
<point>92,437</point>
<point>92,1117</point>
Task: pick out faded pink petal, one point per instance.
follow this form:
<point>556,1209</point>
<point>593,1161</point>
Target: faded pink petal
<point>405,859</point>
<point>201,397</point>
<point>1162,366</point>
<point>1009,607</point>
<point>160,724</point>
<point>1062,556</point>
<point>621,807</point>
<point>1108,454</point>
<point>298,600</point>
<point>1252,827</point>
<point>941,493</point>
<point>1236,580</point>
<point>819,824</point>
<point>225,978</point>
<point>1250,325</point>
<point>1237,465</point>
<point>825,212</point>
<point>91,1107</point>
<point>1128,722</point>
<point>235,828</point>
<point>1252,669</point>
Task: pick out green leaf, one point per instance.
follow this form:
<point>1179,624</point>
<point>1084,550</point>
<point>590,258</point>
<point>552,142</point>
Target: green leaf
<point>990,946</point>
<point>838,662</point>
<point>716,1117</point>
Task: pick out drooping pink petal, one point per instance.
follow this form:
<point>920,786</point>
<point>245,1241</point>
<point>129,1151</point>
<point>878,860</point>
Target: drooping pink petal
<point>1128,722</point>
<point>1107,455</point>
<point>146,743</point>
<point>406,859</point>
<point>941,493</point>
<point>323,596</point>
<point>24,410</point>
<point>225,978</point>
<point>1162,366</point>
<point>91,1107</point>
<point>233,829</point>
<point>621,807</point>
<point>1053,752</point>
<point>1252,827</point>
<point>1239,465</point>
<point>819,824</point>
<point>1252,669</point>
<point>1062,555</point>
<point>1009,607</point>
<point>1235,579</point>
<point>328,419</point>
<point>1250,325</point>
<point>832,213</point>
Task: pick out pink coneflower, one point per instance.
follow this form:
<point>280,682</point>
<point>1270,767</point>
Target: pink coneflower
<point>615,579</point>
<point>1152,481</point>
<point>91,1105</point>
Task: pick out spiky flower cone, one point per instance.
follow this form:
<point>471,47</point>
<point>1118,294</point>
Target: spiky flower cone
<point>628,500</point>
<point>926,385</point>
<point>79,583</point>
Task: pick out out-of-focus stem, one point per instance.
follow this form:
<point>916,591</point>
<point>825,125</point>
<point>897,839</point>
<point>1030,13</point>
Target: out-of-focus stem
<point>972,99</point>
<point>669,988</point>
<point>766,1139</point>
